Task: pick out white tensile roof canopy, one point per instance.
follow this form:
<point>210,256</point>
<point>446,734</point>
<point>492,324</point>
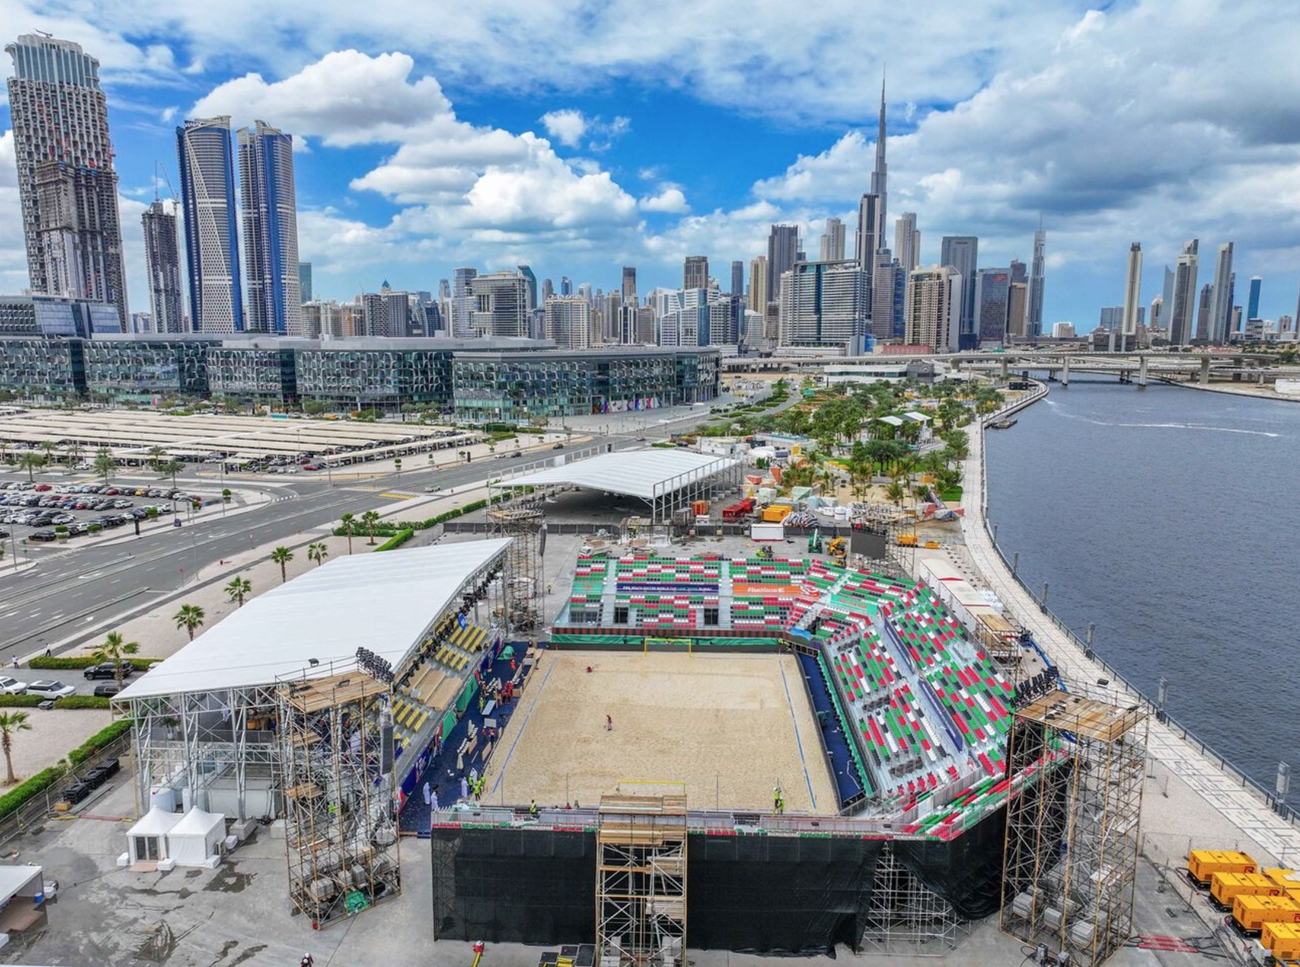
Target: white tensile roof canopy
<point>384,602</point>
<point>647,474</point>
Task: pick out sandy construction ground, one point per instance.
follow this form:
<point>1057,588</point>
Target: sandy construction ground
<point>721,724</point>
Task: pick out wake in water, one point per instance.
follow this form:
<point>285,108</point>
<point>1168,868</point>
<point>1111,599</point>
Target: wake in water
<point>1173,426</point>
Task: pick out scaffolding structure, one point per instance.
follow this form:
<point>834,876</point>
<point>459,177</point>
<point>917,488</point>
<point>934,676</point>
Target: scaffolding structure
<point>523,521</point>
<point>340,821</point>
<point>907,918</point>
<point>216,749</point>
<point>641,881</point>
<point>1072,842</point>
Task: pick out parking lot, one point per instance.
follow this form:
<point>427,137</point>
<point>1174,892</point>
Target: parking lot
<point>41,511</point>
<point>98,680</point>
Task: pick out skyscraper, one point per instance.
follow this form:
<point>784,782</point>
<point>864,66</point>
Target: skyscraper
<point>824,304</point>
<point>628,289</point>
<point>1204,304</point>
<point>566,285</point>
<point>568,322</point>
<point>462,301</point>
<point>832,242</point>
<point>1037,281</point>
<point>499,304</point>
<point>163,263</point>
<point>758,287</point>
<point>1132,290</point>
<point>270,213</point>
<point>1178,311</point>
<point>531,280</point>
<point>883,282</point>
<point>961,253</point>
<point>304,282</point>
<point>1017,309</point>
<point>1252,302</point>
<point>695,272</point>
<point>907,241</point>
<point>207,163</point>
<point>66,183</point>
<point>1221,301</point>
<point>932,308</point>
<point>866,241</point>
<point>992,299</point>
<point>782,252</point>
<point>879,176</point>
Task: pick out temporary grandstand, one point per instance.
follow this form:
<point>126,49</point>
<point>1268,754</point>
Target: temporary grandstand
<point>913,717</point>
<point>208,721</point>
<point>667,480</point>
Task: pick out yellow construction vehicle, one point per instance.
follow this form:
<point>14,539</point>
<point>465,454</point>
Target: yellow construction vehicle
<point>838,550</point>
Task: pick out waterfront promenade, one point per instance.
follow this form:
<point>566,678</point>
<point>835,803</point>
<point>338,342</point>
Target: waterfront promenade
<point>1192,800</point>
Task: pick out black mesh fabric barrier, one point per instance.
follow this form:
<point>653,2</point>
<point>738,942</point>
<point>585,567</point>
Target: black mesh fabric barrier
<point>514,885</point>
<point>967,872</point>
<point>778,895</point>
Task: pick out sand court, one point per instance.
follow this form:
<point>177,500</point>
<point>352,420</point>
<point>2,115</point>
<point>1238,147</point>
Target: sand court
<point>730,727</point>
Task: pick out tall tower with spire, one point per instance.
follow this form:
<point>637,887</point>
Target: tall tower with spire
<point>880,174</point>
<point>870,237</point>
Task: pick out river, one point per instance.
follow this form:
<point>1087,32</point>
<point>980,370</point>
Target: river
<point>1167,516</point>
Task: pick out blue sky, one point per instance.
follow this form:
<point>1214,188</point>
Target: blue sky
<point>580,136</point>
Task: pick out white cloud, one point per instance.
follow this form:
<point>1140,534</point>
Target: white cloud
<point>566,126</point>
<point>669,200</point>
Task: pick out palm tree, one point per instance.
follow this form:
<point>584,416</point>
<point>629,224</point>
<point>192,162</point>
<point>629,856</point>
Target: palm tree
<point>114,649</point>
<point>48,450</point>
<point>282,556</point>
<point>317,553</point>
<point>104,463</point>
<point>172,467</point>
<point>189,617</point>
<point>348,521</point>
<point>238,589</point>
<point>156,454</point>
<point>72,454</point>
<point>895,493</point>
<point>29,462</point>
<point>370,518</point>
<point>11,722</point>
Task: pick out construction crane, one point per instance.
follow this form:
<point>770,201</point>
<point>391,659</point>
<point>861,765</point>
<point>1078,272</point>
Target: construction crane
<point>161,173</point>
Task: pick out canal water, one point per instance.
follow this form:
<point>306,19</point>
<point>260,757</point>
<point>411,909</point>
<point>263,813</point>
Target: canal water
<point>1168,517</point>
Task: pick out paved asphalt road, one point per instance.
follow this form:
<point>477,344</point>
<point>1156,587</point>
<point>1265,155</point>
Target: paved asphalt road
<point>73,585</point>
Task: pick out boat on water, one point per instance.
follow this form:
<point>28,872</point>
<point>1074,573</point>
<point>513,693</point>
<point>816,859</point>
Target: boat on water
<point>1005,423</point>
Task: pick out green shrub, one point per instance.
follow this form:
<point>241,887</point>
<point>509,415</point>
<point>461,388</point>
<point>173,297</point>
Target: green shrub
<point>77,662</point>
<point>98,741</point>
<point>19,795</point>
<point>397,540</point>
<point>21,701</point>
<point>83,701</point>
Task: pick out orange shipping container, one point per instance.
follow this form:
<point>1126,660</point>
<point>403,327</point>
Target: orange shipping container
<point>1204,863</point>
<point>1282,940</point>
<point>1225,887</point>
<point>1252,912</point>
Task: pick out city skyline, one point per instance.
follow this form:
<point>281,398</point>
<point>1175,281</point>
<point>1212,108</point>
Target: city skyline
<point>414,157</point>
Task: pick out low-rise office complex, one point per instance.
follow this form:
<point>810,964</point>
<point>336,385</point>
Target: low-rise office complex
<point>490,378</point>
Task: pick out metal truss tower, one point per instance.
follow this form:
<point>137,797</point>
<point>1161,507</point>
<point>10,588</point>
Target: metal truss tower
<point>906,917</point>
<point>1072,844</point>
<point>340,821</point>
<point>641,881</point>
<point>524,580</point>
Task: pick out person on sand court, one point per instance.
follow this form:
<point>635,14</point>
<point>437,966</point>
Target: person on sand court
<point>609,723</point>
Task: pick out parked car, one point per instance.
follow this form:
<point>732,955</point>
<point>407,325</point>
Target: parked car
<point>42,487</point>
<point>50,689</point>
<point>108,669</point>
<point>558,446</point>
<point>107,690</point>
<point>12,686</point>
<point>42,536</point>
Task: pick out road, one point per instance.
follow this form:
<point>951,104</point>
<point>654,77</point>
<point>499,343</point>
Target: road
<point>75,585</point>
